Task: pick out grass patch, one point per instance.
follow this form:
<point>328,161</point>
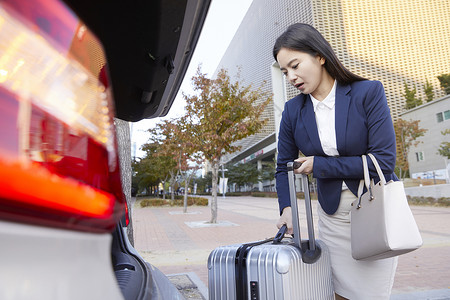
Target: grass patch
<point>153,202</point>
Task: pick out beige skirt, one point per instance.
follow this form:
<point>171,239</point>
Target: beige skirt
<point>353,279</point>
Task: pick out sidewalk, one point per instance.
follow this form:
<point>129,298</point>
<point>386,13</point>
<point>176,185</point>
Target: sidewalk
<point>179,243</point>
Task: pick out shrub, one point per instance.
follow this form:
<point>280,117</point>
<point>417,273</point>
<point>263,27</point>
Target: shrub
<point>265,194</point>
<point>259,194</point>
<point>177,202</point>
<point>301,195</point>
<point>152,202</point>
<point>231,194</point>
<point>444,201</point>
<point>201,201</point>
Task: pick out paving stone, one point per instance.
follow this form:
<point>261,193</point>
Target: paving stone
<point>168,242</point>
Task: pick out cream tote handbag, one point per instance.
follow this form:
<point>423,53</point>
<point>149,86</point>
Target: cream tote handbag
<point>382,224</point>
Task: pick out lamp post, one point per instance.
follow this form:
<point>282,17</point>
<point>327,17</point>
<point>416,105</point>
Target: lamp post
<point>447,179</point>
<point>223,181</point>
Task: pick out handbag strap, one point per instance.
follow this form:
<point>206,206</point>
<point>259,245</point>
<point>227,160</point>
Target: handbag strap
<point>366,180</point>
<point>377,167</point>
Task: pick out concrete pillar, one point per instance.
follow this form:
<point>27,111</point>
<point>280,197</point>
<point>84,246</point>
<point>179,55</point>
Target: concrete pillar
<point>279,95</point>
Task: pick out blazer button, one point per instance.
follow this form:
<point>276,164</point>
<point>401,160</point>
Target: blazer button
<point>322,174</point>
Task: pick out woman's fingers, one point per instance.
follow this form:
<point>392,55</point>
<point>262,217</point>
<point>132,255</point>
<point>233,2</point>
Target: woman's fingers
<point>286,218</point>
<point>307,165</point>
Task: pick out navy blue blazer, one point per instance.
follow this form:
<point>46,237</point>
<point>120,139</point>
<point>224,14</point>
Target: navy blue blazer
<point>363,125</point>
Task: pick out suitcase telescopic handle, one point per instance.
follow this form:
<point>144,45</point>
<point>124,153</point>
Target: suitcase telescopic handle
<point>311,252</point>
<point>294,206</point>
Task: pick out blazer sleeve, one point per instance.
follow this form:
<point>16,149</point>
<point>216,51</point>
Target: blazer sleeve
<point>380,142</point>
<point>287,152</point>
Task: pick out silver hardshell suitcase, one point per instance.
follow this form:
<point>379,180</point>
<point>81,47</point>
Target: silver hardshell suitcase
<point>274,269</point>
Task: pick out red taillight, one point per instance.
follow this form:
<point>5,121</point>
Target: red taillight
<point>59,163</point>
<point>48,190</point>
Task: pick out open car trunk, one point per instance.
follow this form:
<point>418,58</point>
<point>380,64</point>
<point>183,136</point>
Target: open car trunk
<point>148,46</point>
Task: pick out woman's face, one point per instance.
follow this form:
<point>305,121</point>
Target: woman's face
<point>303,70</point>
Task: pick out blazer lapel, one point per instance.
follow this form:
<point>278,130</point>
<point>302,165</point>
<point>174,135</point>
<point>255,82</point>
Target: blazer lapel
<point>309,121</point>
<point>342,105</point>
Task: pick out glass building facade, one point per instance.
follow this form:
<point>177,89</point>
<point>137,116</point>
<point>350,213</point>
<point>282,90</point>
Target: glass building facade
<point>394,41</point>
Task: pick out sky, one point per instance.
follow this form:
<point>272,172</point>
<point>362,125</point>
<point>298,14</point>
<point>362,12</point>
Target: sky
<point>222,21</point>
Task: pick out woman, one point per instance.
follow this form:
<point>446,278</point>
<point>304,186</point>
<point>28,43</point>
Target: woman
<point>337,117</point>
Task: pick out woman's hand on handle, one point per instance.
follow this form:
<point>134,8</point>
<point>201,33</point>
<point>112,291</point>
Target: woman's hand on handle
<point>307,165</point>
<point>286,218</point>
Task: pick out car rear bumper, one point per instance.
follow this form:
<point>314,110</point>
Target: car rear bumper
<point>47,263</point>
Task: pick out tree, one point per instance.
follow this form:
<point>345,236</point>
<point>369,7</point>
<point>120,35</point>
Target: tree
<point>444,147</point>
<point>144,174</point>
<point>411,99</point>
<point>444,80</point>
<point>428,90</point>
<point>176,149</point>
<point>190,159</point>
<point>268,170</point>
<point>243,174</point>
<point>203,183</point>
<point>406,133</point>
<point>166,156</point>
<point>153,168</point>
<point>219,114</point>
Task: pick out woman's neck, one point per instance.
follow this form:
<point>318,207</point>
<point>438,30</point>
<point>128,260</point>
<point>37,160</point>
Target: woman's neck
<point>324,88</point>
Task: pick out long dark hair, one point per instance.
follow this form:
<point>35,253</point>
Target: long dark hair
<point>305,38</point>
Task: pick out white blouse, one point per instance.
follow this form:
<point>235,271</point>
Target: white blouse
<point>325,120</point>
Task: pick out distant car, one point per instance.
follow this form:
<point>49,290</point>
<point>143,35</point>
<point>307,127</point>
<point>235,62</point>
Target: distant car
<point>66,70</point>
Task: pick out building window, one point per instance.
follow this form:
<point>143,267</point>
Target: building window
<point>440,117</point>
<point>419,156</point>
<point>446,114</point>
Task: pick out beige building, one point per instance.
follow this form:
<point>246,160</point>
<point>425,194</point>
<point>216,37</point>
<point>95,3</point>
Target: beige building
<point>424,159</point>
<point>394,41</point>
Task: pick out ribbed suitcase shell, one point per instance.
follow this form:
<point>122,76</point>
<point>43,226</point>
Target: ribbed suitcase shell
<point>275,272</point>
<point>222,273</point>
<point>278,270</point>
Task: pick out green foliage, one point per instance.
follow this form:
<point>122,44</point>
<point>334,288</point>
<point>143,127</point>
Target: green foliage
<point>268,171</point>
<point>264,194</point>
<point>153,168</point>
<point>411,99</point>
<point>243,174</point>
<point>428,90</point>
<point>444,80</point>
<point>203,183</point>
<point>177,158</point>
<point>222,112</point>
<point>406,133</point>
<point>444,147</point>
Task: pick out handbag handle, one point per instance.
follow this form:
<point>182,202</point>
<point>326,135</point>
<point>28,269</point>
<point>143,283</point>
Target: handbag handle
<point>366,181</point>
<point>377,167</point>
